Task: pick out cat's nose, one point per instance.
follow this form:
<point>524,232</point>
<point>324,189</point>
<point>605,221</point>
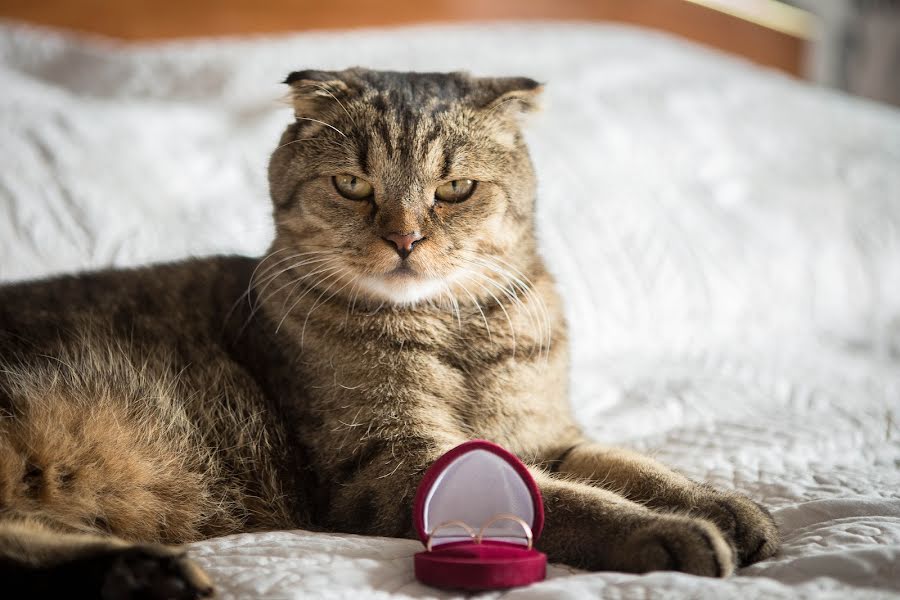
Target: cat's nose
<point>403,242</point>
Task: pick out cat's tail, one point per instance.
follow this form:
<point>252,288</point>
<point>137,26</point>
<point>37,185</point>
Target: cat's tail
<point>37,560</point>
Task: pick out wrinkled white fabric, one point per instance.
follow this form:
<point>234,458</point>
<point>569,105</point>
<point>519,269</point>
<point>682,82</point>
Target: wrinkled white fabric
<point>727,241</point>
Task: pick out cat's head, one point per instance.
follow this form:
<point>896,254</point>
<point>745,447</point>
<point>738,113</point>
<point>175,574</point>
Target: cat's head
<point>401,187</point>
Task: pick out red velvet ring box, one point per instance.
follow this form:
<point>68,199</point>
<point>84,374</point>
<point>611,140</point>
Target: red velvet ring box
<point>478,511</point>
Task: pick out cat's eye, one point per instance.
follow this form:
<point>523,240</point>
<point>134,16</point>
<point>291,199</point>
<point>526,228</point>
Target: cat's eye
<point>352,187</point>
<point>455,191</point>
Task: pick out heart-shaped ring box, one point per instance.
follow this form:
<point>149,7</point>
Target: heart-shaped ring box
<point>478,487</point>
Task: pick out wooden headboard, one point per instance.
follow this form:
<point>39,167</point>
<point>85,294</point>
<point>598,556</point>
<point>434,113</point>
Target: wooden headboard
<point>764,31</point>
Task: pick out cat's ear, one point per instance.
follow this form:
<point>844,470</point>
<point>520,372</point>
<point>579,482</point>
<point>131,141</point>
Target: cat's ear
<point>312,91</point>
<point>509,96</point>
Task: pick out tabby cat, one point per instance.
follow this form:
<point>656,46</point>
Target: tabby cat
<point>403,308</point>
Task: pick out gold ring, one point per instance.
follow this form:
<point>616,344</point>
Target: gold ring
<point>460,524</point>
<point>507,517</point>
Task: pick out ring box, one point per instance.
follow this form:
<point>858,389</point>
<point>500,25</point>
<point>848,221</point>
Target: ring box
<point>478,487</point>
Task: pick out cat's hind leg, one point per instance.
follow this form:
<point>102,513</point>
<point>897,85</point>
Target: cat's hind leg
<point>95,480</point>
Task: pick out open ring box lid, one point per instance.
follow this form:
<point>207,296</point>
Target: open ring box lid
<point>474,483</point>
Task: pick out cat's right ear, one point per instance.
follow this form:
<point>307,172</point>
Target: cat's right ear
<point>512,96</point>
<point>312,92</point>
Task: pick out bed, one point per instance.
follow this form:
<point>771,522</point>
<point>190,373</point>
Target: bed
<point>727,241</point>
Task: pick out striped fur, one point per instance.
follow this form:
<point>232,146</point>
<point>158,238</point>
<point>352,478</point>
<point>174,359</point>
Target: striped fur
<point>313,386</point>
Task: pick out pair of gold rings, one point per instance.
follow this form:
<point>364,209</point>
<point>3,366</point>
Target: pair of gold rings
<point>479,536</point>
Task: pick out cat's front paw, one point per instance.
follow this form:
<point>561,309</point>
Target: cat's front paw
<point>154,573</point>
<point>672,543</point>
<point>749,526</point>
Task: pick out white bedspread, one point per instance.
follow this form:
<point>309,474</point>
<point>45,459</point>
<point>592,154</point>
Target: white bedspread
<point>727,240</point>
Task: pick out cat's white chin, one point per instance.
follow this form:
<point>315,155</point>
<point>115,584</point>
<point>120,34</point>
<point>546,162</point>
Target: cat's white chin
<point>403,290</point>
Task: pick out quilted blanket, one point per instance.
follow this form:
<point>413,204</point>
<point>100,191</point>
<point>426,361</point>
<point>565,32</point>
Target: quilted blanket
<point>727,241</point>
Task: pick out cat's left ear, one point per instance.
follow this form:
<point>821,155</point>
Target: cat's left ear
<point>313,92</point>
<point>511,96</point>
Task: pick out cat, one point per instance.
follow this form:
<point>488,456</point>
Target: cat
<point>402,308</point>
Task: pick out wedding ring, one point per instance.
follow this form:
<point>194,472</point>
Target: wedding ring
<point>507,517</point>
<point>445,524</point>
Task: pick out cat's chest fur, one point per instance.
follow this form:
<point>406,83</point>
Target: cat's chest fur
<point>491,374</point>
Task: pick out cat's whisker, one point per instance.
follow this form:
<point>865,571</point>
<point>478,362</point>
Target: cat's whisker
<point>296,281</point>
<point>534,311</point>
<point>330,272</point>
<point>355,296</point>
<point>259,283</point>
<point>542,313</point>
<point>454,304</point>
<point>376,310</point>
<point>317,263</point>
<point>527,307</point>
<point>510,296</point>
<point>255,281</point>
<point>341,104</point>
<point>250,284</point>
<point>354,289</point>
<point>433,302</point>
<point>509,291</point>
<point>262,300</point>
<point>294,141</point>
<point>437,303</point>
<point>329,125</point>
<point>301,254</point>
<point>324,267</point>
<point>500,105</point>
<point>530,308</point>
<point>269,279</point>
<point>478,306</point>
<point>261,263</point>
<point>540,300</point>
<point>316,304</point>
<point>512,329</point>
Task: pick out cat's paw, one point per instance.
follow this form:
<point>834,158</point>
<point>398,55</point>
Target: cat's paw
<point>749,526</point>
<point>154,573</point>
<point>673,543</point>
